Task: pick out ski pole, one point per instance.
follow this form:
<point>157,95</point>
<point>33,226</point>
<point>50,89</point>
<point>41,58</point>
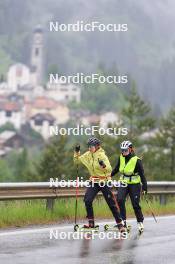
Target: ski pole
<point>150,209</point>
<point>115,201</point>
<point>77,149</point>
<point>76,198</point>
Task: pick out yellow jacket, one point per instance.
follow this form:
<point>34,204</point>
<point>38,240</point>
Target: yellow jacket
<point>91,161</point>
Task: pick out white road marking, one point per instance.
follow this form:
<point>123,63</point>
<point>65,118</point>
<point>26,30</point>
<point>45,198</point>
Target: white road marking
<point>70,226</point>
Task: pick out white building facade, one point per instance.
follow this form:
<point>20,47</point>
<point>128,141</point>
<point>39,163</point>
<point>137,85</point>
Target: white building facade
<point>9,113</point>
<point>18,76</point>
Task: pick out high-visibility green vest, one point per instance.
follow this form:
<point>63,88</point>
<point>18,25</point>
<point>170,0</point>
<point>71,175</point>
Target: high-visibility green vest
<point>127,170</point>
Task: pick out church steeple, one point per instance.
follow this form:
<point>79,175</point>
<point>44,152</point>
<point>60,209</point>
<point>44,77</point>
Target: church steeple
<point>37,56</point>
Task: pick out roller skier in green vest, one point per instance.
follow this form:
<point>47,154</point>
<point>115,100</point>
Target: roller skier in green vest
<point>132,174</point>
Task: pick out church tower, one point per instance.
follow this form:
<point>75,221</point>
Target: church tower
<point>37,57</point>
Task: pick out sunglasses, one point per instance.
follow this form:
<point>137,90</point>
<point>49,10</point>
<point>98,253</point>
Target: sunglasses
<point>124,150</point>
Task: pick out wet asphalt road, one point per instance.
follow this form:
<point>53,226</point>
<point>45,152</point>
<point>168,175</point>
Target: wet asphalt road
<point>33,245</point>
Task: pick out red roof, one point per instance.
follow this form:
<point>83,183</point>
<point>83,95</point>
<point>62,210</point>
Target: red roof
<point>9,106</point>
<point>47,103</point>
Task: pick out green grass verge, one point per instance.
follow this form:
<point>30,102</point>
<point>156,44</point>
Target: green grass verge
<point>23,213</point>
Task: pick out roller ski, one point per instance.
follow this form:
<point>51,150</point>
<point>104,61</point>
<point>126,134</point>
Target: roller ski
<point>140,228</point>
<point>118,228</point>
<point>127,228</point>
<point>86,228</point>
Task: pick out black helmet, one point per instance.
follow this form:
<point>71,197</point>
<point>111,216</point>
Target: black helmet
<point>93,142</point>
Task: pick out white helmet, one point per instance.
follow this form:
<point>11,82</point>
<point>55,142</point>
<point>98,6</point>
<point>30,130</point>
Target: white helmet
<point>125,145</point>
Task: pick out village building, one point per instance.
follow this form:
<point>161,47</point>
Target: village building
<point>41,123</point>
<point>11,112</point>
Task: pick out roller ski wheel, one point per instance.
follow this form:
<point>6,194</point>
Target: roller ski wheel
<point>76,227</point>
<point>128,228</point>
<point>141,231</point>
<point>106,227</point>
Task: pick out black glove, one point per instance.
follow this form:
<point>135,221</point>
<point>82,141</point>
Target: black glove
<point>77,148</point>
<point>101,163</point>
<point>144,190</point>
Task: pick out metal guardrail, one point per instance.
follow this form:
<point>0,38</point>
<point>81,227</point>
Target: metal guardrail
<point>43,190</point>
<point>32,190</point>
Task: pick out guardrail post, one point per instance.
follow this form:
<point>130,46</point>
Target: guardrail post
<point>50,204</point>
<point>162,199</point>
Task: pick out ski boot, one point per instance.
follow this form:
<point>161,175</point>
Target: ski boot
<point>128,227</point>
<point>121,228</point>
<point>140,227</point>
<point>90,224</point>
